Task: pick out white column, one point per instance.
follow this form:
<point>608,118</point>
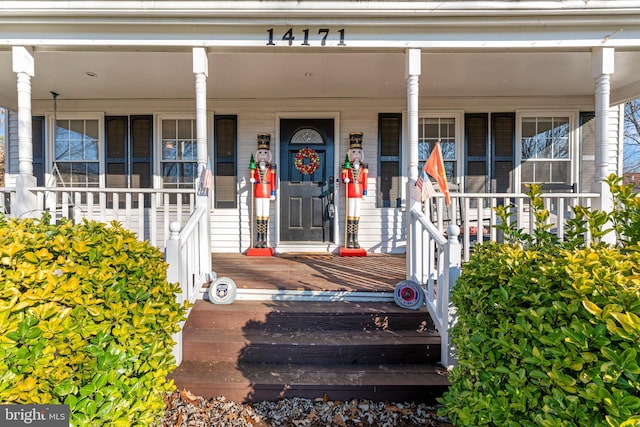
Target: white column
<point>412,74</point>
<point>26,201</point>
<point>602,66</point>
<point>201,71</point>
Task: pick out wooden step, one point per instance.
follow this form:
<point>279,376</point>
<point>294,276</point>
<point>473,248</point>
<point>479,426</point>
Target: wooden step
<point>313,347</point>
<point>267,350</point>
<point>259,381</point>
<point>308,315</point>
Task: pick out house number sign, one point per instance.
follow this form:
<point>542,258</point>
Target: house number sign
<point>307,37</point>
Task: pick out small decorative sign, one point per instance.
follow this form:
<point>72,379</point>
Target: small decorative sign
<point>222,291</point>
<point>408,294</point>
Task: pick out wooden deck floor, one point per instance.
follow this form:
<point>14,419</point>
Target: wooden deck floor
<point>315,272</point>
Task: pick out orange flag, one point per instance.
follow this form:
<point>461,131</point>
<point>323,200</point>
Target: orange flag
<point>435,167</point>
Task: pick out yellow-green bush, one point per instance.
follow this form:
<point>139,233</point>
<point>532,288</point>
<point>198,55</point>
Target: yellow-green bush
<point>86,319</point>
<point>548,332</point>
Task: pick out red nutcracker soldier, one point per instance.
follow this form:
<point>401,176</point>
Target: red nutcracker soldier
<point>354,175</point>
<point>263,177</point>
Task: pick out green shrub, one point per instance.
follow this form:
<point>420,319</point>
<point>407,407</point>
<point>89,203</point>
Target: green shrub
<point>548,332</point>
<point>86,319</point>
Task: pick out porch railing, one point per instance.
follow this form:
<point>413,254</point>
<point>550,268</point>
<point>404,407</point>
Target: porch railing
<point>188,254</point>
<point>475,213</point>
<point>7,196</point>
<point>435,257</point>
<point>435,263</point>
<point>146,212</point>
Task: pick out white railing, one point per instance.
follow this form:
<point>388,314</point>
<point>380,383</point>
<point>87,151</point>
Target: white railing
<point>475,213</point>
<point>437,251</point>
<point>434,262</point>
<point>7,198</point>
<point>188,253</point>
<point>146,212</point>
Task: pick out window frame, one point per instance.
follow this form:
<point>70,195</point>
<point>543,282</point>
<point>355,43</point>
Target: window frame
<point>572,116</point>
<point>50,158</point>
<point>459,137</point>
<point>157,147</point>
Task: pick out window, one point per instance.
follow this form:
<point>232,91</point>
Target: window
<point>226,153</point>
<point>76,152</point>
<point>443,129</point>
<point>179,153</point>
<point>545,149</point>
<point>389,175</point>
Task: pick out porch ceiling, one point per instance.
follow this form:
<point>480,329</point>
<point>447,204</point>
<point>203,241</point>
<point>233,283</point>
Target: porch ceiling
<point>251,75</point>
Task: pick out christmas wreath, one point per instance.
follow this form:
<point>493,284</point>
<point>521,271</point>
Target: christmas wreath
<point>301,164</point>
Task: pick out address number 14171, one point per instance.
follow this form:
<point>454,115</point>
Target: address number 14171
<point>307,39</point>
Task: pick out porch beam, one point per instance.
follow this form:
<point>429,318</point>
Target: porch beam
<point>602,67</point>
<point>412,75</point>
<point>24,67</point>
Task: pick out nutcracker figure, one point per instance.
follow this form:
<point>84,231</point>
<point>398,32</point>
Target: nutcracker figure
<point>354,175</point>
<point>263,178</point>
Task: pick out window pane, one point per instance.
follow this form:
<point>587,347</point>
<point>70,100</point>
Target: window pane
<point>526,172</point>
<point>169,149</point>
<point>423,151</point>
<point>91,149</point>
<point>189,172</point>
<point>170,173</point>
<point>543,172</point>
<point>185,129</point>
<point>560,172</point>
<point>189,150</point>
<point>169,129</point>
<point>448,150</point>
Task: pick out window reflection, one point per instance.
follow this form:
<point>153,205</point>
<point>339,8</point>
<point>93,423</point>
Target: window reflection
<point>76,152</point>
<point>545,150</point>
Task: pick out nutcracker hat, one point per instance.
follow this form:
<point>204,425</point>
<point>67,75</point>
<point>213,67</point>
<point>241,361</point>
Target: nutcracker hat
<point>355,140</point>
<point>264,141</point>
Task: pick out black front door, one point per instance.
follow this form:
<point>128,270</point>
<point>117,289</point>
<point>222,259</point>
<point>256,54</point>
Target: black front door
<point>306,191</point>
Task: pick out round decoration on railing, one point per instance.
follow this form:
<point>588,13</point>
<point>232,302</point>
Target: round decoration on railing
<point>408,294</point>
<point>222,291</point>
<point>307,161</point>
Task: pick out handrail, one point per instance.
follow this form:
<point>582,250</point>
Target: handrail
<point>188,254</point>
<point>435,261</point>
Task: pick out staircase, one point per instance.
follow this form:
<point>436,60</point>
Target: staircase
<point>268,350</point>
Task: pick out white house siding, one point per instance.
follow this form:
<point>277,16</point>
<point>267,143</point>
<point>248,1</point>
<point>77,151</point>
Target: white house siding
<point>382,230</point>
<point>615,133</point>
